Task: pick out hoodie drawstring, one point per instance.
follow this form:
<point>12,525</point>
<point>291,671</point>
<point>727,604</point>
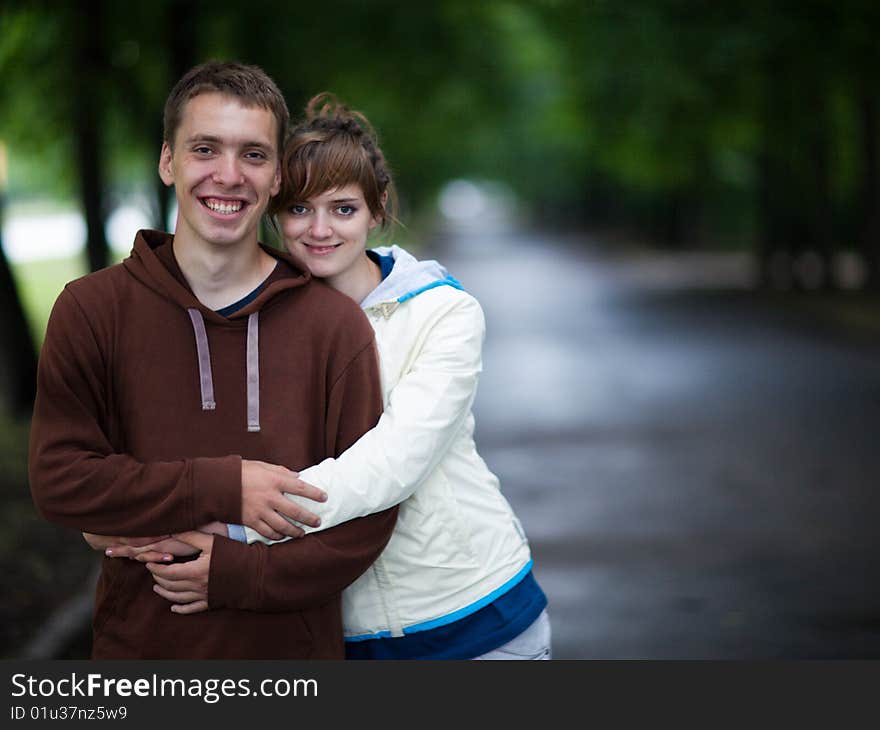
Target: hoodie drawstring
<point>206,379</point>
<point>253,372</point>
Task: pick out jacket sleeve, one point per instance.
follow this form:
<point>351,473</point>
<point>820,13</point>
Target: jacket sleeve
<point>311,570</point>
<point>77,478</point>
<point>426,409</point>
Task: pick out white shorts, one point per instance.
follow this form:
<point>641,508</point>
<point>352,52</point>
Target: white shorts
<point>532,644</point>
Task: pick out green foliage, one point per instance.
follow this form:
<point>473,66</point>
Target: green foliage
<point>562,99</point>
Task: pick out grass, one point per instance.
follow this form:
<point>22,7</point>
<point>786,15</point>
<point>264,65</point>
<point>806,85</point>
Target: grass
<point>39,284</point>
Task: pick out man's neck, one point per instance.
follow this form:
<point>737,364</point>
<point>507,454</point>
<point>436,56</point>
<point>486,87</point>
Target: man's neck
<point>219,276</point>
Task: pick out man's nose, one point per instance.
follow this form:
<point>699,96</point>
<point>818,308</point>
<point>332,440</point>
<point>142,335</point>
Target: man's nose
<point>228,171</point>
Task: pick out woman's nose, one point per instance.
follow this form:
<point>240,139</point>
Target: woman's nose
<point>320,227</point>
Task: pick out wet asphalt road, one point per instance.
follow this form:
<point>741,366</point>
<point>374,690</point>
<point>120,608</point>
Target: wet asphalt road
<point>698,474</point>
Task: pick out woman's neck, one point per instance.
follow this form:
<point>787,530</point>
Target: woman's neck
<point>358,280</point>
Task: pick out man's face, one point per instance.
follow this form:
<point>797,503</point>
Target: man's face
<point>224,168</point>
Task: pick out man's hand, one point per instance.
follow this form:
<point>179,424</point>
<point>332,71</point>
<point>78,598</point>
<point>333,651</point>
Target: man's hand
<point>263,505</point>
<point>186,584</point>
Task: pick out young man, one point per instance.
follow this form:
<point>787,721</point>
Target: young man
<point>167,382</point>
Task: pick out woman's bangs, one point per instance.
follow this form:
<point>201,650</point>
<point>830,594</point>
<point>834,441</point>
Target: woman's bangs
<point>330,165</point>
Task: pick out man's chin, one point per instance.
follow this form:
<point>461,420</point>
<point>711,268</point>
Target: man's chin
<point>221,235</point>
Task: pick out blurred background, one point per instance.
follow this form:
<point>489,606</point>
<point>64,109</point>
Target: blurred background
<point>670,211</point>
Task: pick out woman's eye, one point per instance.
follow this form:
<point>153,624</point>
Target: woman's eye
<point>346,210</point>
<point>297,209</point>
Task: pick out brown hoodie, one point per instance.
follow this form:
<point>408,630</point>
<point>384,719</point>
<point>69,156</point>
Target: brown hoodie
<point>146,403</point>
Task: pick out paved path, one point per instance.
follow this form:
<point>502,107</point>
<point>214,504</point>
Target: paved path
<point>698,474</point>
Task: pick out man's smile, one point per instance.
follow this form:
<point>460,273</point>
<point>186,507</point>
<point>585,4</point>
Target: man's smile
<point>223,206</point>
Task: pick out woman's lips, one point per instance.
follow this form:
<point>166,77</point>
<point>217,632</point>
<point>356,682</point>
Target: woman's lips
<point>321,250</point>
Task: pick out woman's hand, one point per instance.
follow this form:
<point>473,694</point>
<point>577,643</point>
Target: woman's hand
<point>163,551</point>
<point>160,549</point>
<point>102,542</point>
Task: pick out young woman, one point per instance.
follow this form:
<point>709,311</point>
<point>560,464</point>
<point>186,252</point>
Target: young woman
<point>455,581</point>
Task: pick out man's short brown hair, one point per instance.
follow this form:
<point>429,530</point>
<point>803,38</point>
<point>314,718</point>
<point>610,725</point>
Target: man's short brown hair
<point>249,84</point>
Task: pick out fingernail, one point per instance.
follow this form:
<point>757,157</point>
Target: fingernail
<point>168,557</point>
<point>108,552</point>
<point>318,522</point>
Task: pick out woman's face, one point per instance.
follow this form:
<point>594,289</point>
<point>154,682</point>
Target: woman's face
<point>329,231</point>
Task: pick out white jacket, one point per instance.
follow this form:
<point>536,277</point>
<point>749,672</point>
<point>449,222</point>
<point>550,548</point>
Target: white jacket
<point>457,544</point>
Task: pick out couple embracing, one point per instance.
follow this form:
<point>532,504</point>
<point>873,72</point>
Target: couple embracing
<point>275,449</point>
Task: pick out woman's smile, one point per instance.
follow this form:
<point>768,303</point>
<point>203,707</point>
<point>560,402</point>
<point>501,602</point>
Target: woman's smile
<point>320,249</point>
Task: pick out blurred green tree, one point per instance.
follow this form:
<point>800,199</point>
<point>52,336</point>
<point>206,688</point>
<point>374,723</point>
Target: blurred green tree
<point>728,123</point>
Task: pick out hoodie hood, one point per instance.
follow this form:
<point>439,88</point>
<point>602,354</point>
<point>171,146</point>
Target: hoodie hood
<point>156,268</point>
<point>409,278</point>
<point>152,263</point>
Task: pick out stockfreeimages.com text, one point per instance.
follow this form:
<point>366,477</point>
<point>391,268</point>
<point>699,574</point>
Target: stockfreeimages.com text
<point>209,690</point>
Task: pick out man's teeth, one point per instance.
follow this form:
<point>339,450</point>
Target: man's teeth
<point>219,207</point>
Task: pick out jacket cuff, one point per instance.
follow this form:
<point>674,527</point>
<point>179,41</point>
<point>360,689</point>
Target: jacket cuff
<point>235,576</point>
<point>217,489</point>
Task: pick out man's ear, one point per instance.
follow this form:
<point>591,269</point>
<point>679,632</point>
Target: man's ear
<point>166,169</point>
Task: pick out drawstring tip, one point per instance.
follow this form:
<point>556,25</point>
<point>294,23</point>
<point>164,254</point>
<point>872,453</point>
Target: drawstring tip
<point>209,405</point>
<point>253,429</point>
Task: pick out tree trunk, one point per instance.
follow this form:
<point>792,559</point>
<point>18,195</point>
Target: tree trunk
<point>770,233</point>
<point>869,225</point>
<point>18,358</point>
<point>819,151</point>
<point>180,50</point>
<point>88,125</point>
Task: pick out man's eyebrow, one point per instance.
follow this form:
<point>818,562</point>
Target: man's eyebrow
<point>260,145</point>
<point>219,140</point>
<point>202,138</point>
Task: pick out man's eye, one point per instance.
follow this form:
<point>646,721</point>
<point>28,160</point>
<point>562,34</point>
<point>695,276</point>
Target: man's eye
<point>202,150</point>
<point>256,155</point>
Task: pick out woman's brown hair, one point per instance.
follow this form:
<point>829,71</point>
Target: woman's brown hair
<point>332,147</point>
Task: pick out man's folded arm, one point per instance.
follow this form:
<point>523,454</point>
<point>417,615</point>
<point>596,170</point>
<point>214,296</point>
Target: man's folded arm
<point>78,480</point>
<point>295,575</point>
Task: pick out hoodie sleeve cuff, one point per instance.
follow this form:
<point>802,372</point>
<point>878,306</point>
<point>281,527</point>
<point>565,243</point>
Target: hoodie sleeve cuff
<point>217,490</point>
<point>235,575</point>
